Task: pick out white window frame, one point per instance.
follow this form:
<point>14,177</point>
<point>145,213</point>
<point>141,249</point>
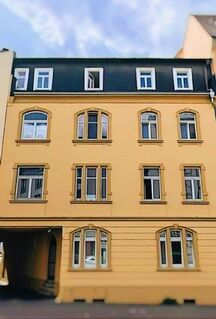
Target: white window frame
<point>192,179</point>
<point>86,73</point>
<point>30,177</point>
<point>187,122</point>
<point>163,239</point>
<point>35,122</point>
<point>36,74</point>
<point>81,179</point>
<point>91,239</point>
<point>152,178</point>
<point>138,78</point>
<point>191,239</point>
<point>100,243</point>
<point>149,122</point>
<point>96,182</point>
<point>189,76</point>
<point>26,70</point>
<point>178,239</point>
<point>76,239</point>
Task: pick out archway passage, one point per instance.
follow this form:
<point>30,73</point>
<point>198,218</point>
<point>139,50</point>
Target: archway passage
<point>52,260</point>
<point>27,252</point>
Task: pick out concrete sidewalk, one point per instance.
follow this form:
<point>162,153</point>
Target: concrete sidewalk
<point>47,309</point>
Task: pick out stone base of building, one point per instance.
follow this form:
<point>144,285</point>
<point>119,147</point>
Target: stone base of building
<point>139,295</point>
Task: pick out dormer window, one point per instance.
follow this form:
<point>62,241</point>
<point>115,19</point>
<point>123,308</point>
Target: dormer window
<point>93,79</point>
<point>21,75</point>
<point>145,78</point>
<point>43,79</point>
<point>183,79</point>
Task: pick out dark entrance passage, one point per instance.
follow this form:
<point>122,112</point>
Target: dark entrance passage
<point>51,260</point>
<point>31,256</point>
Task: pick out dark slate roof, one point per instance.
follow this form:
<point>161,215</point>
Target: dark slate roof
<point>208,22</point>
<point>119,73</point>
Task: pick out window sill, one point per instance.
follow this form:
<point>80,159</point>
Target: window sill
<point>92,141</point>
<point>190,141</point>
<point>143,141</point>
<point>89,269</point>
<point>178,269</point>
<point>91,202</point>
<point>32,141</point>
<point>28,201</point>
<point>187,202</point>
<point>153,202</point>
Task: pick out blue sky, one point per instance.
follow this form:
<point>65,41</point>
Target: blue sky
<point>107,28</point>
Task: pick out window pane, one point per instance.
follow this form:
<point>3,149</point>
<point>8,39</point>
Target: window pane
<point>149,82</point>
<point>31,171</point>
<point>80,128</point>
<point>148,116</point>
<point>91,189</point>
<point>94,79</point>
<point>20,84</point>
<point>184,133</point>
<point>28,130</point>
<point>92,130</point>
<point>191,172</point>
<point>103,189</point>
<point>39,83</point>
<point>187,116</point>
<point>190,254</point>
<point>179,82</point>
<point>156,189</point>
<point>145,131</point>
<point>46,83</point>
<point>41,131</point>
<point>36,188</point>
<point>76,252</point>
<point>91,172</point>
<point>151,172</point>
<point>176,252</point>
<point>103,252</point>
<point>186,83</point>
<point>188,189</point>
<point>22,189</point>
<point>35,116</point>
<point>147,189</point>
<point>79,183</point>
<point>153,130</point>
<point>104,118</point>
<point>192,130</point>
<point>163,252</point>
<point>197,189</point>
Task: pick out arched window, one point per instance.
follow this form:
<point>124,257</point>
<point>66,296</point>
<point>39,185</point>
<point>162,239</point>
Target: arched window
<point>188,128</point>
<point>92,125</point>
<point>177,248</point>
<point>149,126</point>
<point>34,125</point>
<point>90,249</point>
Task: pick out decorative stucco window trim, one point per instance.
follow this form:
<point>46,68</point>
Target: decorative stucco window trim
<point>141,140</point>
<point>81,265</point>
<point>14,183</point>
<point>50,79</point>
<point>139,70</point>
<point>189,77</point>
<point>83,179</point>
<point>162,199</point>
<point>169,266</point>
<point>204,200</point>
<point>20,140</point>
<point>198,139</point>
<point>86,79</point>
<point>16,72</point>
<point>99,139</point>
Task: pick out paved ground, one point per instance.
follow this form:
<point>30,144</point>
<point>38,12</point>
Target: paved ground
<point>47,309</point>
<point>33,306</point>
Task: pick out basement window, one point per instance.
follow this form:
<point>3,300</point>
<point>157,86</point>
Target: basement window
<point>93,79</point>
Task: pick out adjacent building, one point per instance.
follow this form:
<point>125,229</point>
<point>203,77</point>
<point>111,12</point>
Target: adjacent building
<point>108,174</point>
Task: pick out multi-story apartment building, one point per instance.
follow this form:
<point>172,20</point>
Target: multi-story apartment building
<point>108,179</point>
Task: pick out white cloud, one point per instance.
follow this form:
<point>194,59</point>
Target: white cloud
<point>42,20</point>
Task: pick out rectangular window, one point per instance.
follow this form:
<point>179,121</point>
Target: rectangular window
<point>176,248</point>
<point>193,184</point>
<point>43,79</point>
<point>152,183</point>
<point>182,79</point>
<point>30,183</point>
<point>145,78</point>
<point>21,75</point>
<point>93,79</point>
<point>91,183</point>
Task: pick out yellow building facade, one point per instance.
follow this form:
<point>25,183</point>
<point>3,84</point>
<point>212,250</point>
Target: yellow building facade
<point>126,215</point>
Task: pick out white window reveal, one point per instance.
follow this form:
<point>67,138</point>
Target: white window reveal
<point>183,79</point>
<point>145,78</point>
<point>43,79</point>
<point>93,79</point>
<point>21,75</point>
